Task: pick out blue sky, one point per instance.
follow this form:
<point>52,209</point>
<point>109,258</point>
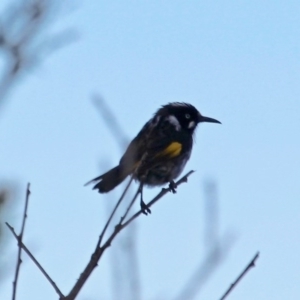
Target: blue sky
<point>235,61</point>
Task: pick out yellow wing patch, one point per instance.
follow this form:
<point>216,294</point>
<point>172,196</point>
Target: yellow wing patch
<point>172,150</point>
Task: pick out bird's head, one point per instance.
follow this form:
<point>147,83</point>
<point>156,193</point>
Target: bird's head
<point>184,116</point>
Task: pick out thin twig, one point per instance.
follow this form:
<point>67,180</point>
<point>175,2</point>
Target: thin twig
<point>19,238</point>
<point>160,195</point>
<point>248,267</point>
<point>35,261</point>
<point>129,206</point>
<point>113,213</point>
<point>164,191</point>
<point>124,259</point>
<point>93,262</point>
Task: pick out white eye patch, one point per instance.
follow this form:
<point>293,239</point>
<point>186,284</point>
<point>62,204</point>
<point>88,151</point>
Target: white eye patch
<point>191,125</point>
<point>174,121</point>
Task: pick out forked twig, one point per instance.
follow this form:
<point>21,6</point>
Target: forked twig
<point>93,262</point>
<point>21,247</point>
<point>36,262</point>
<point>234,284</point>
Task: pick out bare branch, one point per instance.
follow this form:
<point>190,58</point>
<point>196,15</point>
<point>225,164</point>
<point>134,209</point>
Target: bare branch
<point>92,264</point>
<point>35,261</point>
<point>234,284</point>
<point>160,195</point>
<point>113,212</point>
<point>124,258</point>
<point>129,206</point>
<point>21,247</point>
<point>19,238</point>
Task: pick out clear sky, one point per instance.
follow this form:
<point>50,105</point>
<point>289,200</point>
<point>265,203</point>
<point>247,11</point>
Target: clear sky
<point>236,61</point>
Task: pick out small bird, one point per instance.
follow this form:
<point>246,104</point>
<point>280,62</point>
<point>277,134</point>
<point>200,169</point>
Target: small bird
<point>159,152</point>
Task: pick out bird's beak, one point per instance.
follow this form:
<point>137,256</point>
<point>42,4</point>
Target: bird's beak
<point>207,119</point>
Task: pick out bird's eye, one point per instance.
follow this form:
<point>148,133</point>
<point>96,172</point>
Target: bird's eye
<point>187,116</point>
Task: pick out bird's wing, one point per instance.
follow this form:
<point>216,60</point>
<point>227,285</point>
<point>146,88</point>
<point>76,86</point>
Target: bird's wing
<point>153,144</point>
<point>136,148</point>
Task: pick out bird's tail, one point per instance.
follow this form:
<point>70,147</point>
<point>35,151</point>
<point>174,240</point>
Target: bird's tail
<point>108,180</point>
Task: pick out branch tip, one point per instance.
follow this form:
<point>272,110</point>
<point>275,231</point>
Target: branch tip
<point>243,273</point>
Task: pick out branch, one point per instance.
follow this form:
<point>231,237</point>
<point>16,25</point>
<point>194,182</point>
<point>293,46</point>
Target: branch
<point>234,284</point>
<point>160,195</point>
<point>92,264</point>
<point>113,212</point>
<point>21,247</point>
<point>129,206</point>
<point>124,258</point>
<point>19,238</point>
<point>35,261</point>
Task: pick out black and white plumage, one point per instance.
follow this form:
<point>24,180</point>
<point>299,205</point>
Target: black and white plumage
<point>159,152</point>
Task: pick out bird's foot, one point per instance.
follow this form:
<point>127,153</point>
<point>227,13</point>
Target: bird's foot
<point>145,209</point>
<point>173,186</point>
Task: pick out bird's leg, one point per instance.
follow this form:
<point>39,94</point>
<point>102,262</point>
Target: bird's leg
<point>173,186</point>
<point>145,209</point>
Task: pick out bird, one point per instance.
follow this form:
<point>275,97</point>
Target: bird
<point>159,152</point>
